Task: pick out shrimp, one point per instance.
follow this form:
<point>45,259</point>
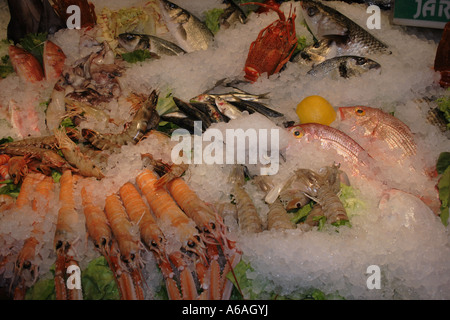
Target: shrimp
<point>323,189</point>
<point>17,168</point>
<point>248,217</point>
<point>277,217</point>
<point>46,142</point>
<point>205,218</point>
<point>4,158</point>
<point>165,209</point>
<point>65,238</point>
<point>127,240</point>
<point>75,157</point>
<point>42,196</point>
<point>139,213</point>
<point>101,234</point>
<point>167,172</point>
<point>4,171</point>
<point>145,117</point>
<point>213,233</point>
<point>96,224</point>
<point>49,158</point>
<point>26,189</point>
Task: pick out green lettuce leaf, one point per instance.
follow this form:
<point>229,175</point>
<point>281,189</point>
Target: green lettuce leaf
<point>259,288</point>
<point>444,195</point>
<point>137,56</point>
<point>212,19</point>
<point>34,43</point>
<point>98,281</point>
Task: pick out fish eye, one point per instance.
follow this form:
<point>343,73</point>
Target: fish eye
<point>360,61</point>
<point>312,11</point>
<point>316,45</point>
<point>191,244</point>
<point>298,133</point>
<point>360,112</point>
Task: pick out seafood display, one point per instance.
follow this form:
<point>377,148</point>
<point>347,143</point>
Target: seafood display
<point>159,152</point>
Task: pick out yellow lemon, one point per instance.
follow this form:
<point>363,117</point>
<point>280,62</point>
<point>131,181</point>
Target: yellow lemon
<point>317,110</point>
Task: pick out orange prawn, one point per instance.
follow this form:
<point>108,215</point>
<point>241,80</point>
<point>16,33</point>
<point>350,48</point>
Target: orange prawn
<point>42,195</point>
<point>139,213</point>
<point>101,234</point>
<point>127,239</point>
<point>165,209</point>
<point>96,223</point>
<point>4,158</point>
<point>65,237</point>
<point>208,221</point>
<point>4,171</point>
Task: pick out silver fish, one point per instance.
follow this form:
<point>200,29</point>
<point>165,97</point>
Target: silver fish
<point>316,53</point>
<point>326,22</point>
<point>161,47</point>
<point>232,14</point>
<point>344,66</point>
<point>190,33</point>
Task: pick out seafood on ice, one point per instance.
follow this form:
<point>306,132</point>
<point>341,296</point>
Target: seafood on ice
<point>92,171</point>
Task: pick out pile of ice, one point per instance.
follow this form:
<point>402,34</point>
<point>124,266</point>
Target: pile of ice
<point>393,231</point>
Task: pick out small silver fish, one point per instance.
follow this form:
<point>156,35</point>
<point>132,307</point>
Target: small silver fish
<point>316,53</point>
<point>344,67</point>
<point>190,33</point>
<point>232,14</point>
<point>161,47</point>
<point>326,22</point>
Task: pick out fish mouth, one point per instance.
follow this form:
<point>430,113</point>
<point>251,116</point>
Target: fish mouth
<point>341,114</point>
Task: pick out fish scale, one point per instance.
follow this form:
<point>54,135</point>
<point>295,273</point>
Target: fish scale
<point>321,17</point>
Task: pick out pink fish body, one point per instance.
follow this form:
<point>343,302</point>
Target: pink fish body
<point>331,138</point>
<point>381,126</point>
<point>25,64</point>
<point>54,59</point>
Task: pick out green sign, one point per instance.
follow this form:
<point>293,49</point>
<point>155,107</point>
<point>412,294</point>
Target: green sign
<point>422,13</point>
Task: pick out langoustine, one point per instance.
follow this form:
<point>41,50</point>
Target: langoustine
<point>66,236</point>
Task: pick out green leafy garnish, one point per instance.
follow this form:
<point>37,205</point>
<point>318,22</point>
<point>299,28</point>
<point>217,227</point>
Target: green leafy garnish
<point>166,104</point>
<point>444,106</point>
<point>443,168</point>
<point>350,199</point>
<point>34,43</point>
<point>212,19</point>
<point>67,123</point>
<point>137,56</point>
<point>6,140</point>
<point>10,188</point>
<point>302,43</point>
<point>443,162</point>
<point>56,176</point>
<point>302,213</point>
<point>98,282</point>
<point>6,67</point>
<point>321,220</point>
<point>260,288</point>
